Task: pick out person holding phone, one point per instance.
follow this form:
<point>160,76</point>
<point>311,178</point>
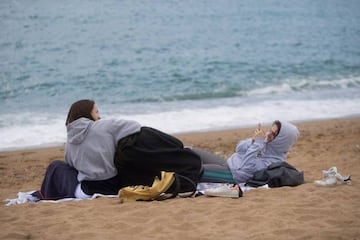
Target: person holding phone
<point>251,155</point>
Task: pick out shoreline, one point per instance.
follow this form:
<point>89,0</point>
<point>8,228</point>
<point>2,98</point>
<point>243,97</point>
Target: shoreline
<point>210,130</point>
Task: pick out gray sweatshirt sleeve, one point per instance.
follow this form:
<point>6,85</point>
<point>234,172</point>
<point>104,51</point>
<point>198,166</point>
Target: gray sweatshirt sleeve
<point>253,150</point>
<point>121,128</point>
<point>243,146</point>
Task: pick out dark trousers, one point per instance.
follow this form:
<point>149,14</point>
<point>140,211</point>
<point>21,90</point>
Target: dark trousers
<point>215,168</point>
<point>142,156</point>
<point>60,181</point>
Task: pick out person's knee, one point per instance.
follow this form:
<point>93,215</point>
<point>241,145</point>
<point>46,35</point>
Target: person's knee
<point>56,163</point>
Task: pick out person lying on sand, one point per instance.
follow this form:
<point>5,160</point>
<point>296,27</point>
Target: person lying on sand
<point>251,155</point>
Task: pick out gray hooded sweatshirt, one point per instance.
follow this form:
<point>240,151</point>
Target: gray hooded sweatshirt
<point>249,158</point>
<point>91,146</point>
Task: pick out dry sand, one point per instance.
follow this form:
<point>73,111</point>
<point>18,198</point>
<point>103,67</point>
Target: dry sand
<point>303,212</point>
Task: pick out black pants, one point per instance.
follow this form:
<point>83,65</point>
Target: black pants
<point>109,186</point>
<point>142,156</point>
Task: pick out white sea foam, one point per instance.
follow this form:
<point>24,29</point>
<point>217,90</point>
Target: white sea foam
<point>304,85</point>
<point>52,132</point>
<point>220,117</point>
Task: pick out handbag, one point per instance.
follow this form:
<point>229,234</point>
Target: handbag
<point>161,189</point>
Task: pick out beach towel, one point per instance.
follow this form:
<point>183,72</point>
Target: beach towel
<point>28,197</point>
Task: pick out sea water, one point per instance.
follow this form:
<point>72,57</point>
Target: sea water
<point>179,66</point>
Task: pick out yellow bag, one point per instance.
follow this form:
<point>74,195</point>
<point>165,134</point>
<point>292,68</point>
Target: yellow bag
<point>146,193</point>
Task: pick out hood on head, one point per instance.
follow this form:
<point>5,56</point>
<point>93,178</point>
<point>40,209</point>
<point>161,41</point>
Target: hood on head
<point>287,137</point>
<point>78,129</point>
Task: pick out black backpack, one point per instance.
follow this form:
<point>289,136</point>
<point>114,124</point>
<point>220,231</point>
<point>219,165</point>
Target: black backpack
<point>277,175</point>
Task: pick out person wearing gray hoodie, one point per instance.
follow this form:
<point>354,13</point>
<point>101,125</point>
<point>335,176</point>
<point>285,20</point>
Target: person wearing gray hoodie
<point>89,155</point>
<point>251,155</point>
<point>263,149</point>
<point>104,155</point>
<point>91,145</point>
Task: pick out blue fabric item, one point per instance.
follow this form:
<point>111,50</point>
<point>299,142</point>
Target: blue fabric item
<point>60,181</point>
<point>217,176</point>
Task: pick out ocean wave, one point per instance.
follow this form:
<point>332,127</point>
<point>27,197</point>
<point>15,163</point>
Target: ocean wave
<point>257,89</point>
<point>306,85</point>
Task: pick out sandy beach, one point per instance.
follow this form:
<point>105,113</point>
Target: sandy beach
<point>303,212</point>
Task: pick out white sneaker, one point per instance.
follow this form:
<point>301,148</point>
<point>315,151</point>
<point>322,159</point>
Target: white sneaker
<point>330,172</point>
<point>224,191</point>
<point>343,180</point>
<point>328,181</point>
<point>332,178</point>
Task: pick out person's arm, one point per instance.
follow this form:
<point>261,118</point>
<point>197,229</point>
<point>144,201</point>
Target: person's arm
<point>67,160</point>
<point>120,128</point>
<point>253,145</point>
<point>254,148</point>
<point>243,146</point>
